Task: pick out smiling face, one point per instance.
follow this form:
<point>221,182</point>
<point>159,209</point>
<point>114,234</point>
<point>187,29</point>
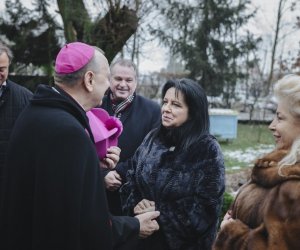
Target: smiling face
<point>285,127</point>
<point>174,109</point>
<point>123,81</point>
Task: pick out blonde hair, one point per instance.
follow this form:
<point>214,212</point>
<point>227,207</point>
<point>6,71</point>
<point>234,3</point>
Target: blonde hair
<point>287,90</point>
<point>291,158</point>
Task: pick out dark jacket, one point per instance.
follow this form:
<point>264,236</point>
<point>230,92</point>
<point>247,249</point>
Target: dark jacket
<point>138,120</point>
<point>12,101</point>
<point>187,189</point>
<point>53,193</point>
<point>266,211</point>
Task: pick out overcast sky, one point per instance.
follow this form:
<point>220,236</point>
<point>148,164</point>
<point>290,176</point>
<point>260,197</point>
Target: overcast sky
<point>262,25</point>
<point>156,57</point>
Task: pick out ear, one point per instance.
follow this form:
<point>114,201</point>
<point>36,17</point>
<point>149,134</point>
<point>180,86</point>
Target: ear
<point>88,81</point>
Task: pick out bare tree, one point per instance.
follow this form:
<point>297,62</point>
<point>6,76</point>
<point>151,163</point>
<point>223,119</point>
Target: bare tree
<point>283,7</point>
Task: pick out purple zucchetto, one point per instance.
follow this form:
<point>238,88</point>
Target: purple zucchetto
<point>73,57</point>
<point>105,128</point>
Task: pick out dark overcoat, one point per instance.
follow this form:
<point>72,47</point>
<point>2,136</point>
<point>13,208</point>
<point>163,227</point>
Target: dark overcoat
<point>53,194</point>
<point>12,101</point>
<point>138,120</point>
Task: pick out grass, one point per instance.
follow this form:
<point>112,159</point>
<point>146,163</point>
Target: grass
<point>248,136</point>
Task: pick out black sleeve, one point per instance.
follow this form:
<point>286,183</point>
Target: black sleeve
<point>125,231</point>
<point>122,168</point>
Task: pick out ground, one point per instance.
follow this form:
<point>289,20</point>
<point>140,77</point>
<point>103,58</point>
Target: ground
<point>236,179</point>
<point>237,175</point>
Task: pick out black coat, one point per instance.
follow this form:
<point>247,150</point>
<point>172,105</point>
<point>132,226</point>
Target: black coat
<point>12,101</point>
<point>138,120</point>
<point>53,195</point>
<point>187,188</point>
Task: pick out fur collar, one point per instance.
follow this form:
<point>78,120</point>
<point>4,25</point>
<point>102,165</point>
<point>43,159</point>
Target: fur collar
<point>266,170</point>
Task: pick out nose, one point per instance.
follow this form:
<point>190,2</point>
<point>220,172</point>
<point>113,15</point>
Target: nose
<point>122,83</point>
<point>272,125</point>
<point>166,107</point>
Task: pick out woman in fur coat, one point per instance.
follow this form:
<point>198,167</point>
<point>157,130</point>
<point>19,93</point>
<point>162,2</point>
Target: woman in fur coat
<point>179,171</point>
<point>266,212</point>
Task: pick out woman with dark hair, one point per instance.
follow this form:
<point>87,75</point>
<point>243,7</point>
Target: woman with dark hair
<point>179,171</point>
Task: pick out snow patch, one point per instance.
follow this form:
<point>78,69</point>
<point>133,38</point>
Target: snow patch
<point>248,155</point>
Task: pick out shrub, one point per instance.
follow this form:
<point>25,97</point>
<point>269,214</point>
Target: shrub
<point>227,201</point>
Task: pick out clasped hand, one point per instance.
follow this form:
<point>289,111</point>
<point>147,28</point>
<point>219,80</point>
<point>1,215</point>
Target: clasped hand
<point>112,180</point>
<point>146,214</point>
<point>227,218</point>
<point>112,158</point>
<point>144,206</point>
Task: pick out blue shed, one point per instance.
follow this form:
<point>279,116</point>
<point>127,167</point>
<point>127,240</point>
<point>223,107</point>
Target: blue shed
<point>223,123</point>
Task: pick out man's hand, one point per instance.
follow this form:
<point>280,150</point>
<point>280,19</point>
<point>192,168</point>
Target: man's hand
<point>144,206</point>
<point>148,224</point>
<point>112,158</point>
<point>112,180</point>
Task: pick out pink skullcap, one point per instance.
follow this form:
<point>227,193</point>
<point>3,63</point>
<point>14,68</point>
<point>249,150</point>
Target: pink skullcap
<point>72,57</point>
<point>105,128</point>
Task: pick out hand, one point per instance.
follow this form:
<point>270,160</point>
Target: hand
<point>148,224</point>
<point>113,180</point>
<point>271,159</point>
<point>227,218</point>
<point>112,158</point>
<point>144,206</point>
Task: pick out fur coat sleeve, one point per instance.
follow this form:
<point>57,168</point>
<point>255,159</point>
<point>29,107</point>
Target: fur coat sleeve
<point>266,211</point>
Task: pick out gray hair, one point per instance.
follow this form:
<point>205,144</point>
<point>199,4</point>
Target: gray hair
<point>5,49</point>
<point>72,78</point>
<point>124,62</point>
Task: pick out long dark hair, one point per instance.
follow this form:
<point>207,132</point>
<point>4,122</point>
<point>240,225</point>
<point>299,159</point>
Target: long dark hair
<point>197,125</point>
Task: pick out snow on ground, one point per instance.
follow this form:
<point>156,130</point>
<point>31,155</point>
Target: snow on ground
<point>248,155</point>
<point>234,179</point>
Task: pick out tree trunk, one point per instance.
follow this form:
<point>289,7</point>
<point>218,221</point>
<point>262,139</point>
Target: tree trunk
<point>110,33</point>
<point>75,18</point>
<point>274,47</point>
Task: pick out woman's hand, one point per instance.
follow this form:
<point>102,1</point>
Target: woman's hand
<point>227,218</point>
<point>144,206</point>
<point>112,158</point>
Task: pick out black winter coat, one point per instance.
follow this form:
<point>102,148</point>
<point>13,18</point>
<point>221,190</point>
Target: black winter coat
<point>187,188</point>
<point>138,120</point>
<point>53,195</point>
<point>12,101</point>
